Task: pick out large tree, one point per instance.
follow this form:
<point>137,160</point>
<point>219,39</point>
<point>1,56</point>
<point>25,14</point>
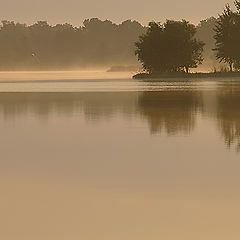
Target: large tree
<point>169,47</point>
<point>227,36</point>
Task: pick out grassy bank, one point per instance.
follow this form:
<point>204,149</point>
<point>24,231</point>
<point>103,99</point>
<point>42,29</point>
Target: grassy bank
<point>186,75</point>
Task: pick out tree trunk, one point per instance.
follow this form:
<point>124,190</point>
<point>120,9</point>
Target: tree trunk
<point>230,66</point>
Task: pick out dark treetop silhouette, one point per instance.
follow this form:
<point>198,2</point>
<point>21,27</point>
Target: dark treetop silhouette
<point>42,46</point>
<point>228,37</point>
<point>169,47</point>
<point>174,46</point>
<point>95,44</point>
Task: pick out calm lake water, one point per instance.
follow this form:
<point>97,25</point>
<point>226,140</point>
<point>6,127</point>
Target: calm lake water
<point>107,157</point>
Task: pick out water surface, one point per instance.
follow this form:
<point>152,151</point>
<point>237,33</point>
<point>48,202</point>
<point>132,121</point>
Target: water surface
<point>119,159</point>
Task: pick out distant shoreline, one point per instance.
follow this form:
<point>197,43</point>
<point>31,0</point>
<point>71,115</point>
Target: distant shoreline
<point>147,76</point>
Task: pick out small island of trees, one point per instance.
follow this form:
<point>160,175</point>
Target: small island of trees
<point>172,47</point>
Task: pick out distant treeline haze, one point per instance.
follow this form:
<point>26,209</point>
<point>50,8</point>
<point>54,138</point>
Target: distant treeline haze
<point>96,43</point>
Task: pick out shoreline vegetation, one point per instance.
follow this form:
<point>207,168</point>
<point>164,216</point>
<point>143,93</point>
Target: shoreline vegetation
<point>99,44</point>
<point>162,76</point>
<point>171,49</point>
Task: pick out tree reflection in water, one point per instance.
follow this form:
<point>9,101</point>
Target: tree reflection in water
<point>170,111</point>
<point>228,114</point>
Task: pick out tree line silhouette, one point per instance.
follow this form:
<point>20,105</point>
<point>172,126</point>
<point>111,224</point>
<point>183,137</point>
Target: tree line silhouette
<point>174,46</point>
<point>41,46</point>
<point>228,37</point>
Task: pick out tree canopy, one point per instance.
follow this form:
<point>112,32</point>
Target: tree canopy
<point>169,47</point>
<point>96,43</point>
<point>227,36</point>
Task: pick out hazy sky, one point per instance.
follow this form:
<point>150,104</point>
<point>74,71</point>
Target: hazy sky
<point>74,11</point>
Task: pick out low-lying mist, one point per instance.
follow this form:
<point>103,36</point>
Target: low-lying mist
<point>30,76</point>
